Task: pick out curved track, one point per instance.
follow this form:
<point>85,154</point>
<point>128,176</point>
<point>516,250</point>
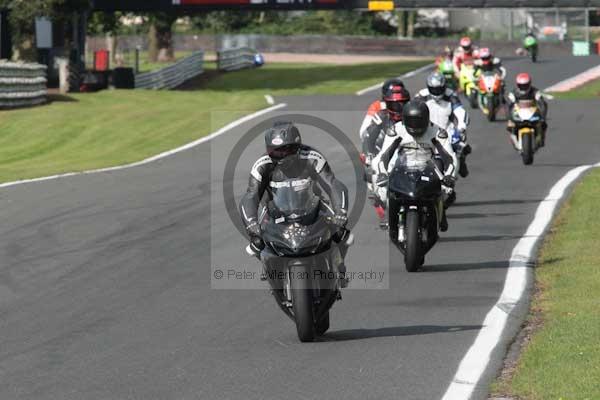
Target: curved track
<point>105,278</point>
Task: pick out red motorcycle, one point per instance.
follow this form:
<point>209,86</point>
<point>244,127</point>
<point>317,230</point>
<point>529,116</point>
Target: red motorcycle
<point>490,93</point>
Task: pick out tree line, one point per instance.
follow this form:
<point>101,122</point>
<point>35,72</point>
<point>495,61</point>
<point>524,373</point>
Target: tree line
<point>161,26</point>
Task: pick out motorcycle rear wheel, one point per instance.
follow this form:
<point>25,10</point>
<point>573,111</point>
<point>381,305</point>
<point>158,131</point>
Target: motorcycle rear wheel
<point>302,305</point>
<point>412,255</point>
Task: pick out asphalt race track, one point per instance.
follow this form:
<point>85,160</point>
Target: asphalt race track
<point>105,279</point>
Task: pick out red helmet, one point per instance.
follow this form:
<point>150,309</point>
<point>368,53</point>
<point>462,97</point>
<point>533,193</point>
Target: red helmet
<point>523,82</point>
<point>466,43</point>
<point>485,55</point>
<point>395,99</point>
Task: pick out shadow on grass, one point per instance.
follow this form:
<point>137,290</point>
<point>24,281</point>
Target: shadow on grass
<point>61,98</point>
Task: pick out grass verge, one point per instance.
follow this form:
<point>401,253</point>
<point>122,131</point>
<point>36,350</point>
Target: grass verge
<point>590,90</point>
<point>307,79</point>
<point>562,357</point>
<point>89,131</point>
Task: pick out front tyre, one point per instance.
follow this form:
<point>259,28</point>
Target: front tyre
<point>302,305</point>
<point>527,153</point>
<point>491,116</point>
<point>323,324</point>
<point>412,255</point>
<point>473,99</point>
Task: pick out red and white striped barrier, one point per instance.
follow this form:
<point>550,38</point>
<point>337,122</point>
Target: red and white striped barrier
<point>576,81</point>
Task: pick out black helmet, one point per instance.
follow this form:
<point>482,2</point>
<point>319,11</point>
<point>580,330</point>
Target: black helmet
<point>416,118</point>
<point>388,87</point>
<point>282,140</point>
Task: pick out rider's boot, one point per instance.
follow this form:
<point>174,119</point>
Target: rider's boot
<point>444,222</point>
<point>543,138</point>
<point>343,278</point>
<point>463,170</point>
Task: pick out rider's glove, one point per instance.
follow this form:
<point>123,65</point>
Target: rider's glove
<point>340,220</point>
<point>449,181</point>
<point>382,179</point>
<point>253,230</point>
<point>257,245</point>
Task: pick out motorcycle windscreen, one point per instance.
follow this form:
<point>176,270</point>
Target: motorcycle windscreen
<point>414,175</point>
<point>294,198</point>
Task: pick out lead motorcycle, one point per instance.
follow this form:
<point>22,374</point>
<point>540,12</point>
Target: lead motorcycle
<point>415,201</point>
<point>302,257</point>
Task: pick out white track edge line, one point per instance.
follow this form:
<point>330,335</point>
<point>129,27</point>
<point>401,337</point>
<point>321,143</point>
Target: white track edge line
<point>475,362</point>
<point>156,157</point>
<point>577,80</point>
<point>406,75</point>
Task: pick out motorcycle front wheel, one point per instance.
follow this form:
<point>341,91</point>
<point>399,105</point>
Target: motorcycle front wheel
<point>302,305</point>
<point>527,152</point>
<point>323,324</point>
<point>412,255</point>
<point>473,99</point>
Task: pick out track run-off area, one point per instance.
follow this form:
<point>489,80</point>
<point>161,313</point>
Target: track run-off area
<point>105,278</point>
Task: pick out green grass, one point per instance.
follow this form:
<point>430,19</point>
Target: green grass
<point>305,79</point>
<point>109,128</point>
<point>562,361</point>
<point>590,90</point>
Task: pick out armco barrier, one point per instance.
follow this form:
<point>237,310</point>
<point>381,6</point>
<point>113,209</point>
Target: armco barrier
<point>22,84</point>
<point>233,59</point>
<point>172,76</point>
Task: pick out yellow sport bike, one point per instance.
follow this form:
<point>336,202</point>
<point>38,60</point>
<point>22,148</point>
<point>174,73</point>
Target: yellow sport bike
<point>528,126</point>
<point>468,83</point>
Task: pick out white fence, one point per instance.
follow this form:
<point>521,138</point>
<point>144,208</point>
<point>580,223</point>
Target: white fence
<point>22,85</point>
<point>232,59</point>
<point>172,76</point>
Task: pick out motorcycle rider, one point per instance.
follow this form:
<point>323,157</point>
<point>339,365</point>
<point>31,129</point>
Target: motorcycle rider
<point>524,90</point>
<point>376,135</point>
<point>417,137</point>
<point>446,111</point>
<point>488,63</point>
<point>287,158</point>
<point>448,54</point>
<point>465,53</point>
<point>379,105</point>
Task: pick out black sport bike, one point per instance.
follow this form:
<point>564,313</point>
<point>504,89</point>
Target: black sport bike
<point>415,209</point>
<point>302,257</point>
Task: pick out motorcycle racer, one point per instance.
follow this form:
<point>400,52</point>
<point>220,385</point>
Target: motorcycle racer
<point>447,112</point>
<point>465,53</point>
<point>487,62</point>
<point>375,136</point>
<point>524,90</point>
<point>417,137</point>
<point>378,105</point>
<point>286,158</point>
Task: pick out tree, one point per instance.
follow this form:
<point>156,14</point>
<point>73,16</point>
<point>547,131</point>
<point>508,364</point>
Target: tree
<point>160,36</point>
<point>109,25</point>
<point>22,20</point>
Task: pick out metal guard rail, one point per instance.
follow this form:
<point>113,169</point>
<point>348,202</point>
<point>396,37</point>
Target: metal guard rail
<point>172,76</point>
<point>233,59</point>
